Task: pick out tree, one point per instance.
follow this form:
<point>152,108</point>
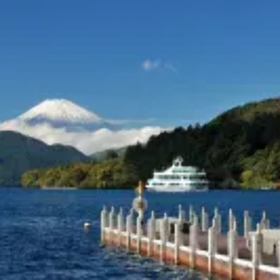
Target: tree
<point>247,177</point>
<point>111,154</point>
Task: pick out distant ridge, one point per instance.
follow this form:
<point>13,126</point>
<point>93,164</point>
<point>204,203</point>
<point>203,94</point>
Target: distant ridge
<point>19,153</point>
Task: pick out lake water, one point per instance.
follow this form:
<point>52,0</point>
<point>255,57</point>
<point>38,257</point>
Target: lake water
<point>42,236</point>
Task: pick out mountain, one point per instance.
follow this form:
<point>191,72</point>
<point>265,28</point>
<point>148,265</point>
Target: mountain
<point>62,113</point>
<point>19,153</point>
<point>62,121</point>
<point>239,147</point>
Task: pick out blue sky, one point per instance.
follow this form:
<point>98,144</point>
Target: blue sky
<point>225,53</point>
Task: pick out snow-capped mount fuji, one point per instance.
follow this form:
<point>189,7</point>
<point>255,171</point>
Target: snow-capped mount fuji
<point>61,121</point>
<point>60,109</point>
<point>62,113</point>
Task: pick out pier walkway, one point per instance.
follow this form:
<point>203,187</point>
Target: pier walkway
<point>196,242</point>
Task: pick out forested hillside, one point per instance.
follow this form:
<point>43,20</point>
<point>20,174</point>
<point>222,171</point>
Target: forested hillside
<point>19,153</point>
<point>108,174</point>
<point>240,147</point>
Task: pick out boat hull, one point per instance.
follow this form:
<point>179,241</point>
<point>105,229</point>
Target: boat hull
<point>176,189</point>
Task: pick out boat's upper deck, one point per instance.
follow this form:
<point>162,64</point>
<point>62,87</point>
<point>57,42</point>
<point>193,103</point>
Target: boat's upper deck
<point>178,169</point>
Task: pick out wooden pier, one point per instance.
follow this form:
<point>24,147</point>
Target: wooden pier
<point>195,244</point>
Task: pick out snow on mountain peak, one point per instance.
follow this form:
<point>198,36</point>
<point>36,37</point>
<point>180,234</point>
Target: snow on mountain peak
<point>60,110</point>
<point>61,121</point>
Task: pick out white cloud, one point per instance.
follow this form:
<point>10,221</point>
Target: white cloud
<point>87,142</point>
<point>130,121</point>
<point>149,65</point>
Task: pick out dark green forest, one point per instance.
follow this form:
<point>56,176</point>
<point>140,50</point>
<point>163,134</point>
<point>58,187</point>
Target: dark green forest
<point>238,149</point>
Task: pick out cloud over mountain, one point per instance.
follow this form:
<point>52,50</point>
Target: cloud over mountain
<point>61,121</point>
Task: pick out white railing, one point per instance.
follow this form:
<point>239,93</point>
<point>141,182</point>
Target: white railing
<point>113,225</point>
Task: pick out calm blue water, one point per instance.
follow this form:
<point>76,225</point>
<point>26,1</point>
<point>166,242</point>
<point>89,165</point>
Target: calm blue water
<point>42,236</point>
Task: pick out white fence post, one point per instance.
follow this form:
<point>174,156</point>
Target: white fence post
<point>151,233</point>
<point>265,223</point>
<point>193,240</point>
<point>111,224</point>
<point>278,256</point>
<point>212,245</point>
<point>128,230</point>
<point>257,249</point>
<point>181,214</point>
<point>139,233</point>
<point>177,242</point>
<point>254,256</point>
<point>218,219</point>
<point>247,224</point>
<point>204,220</point>
<point>120,226</point>
<point>232,248</point>
<point>163,229</point>
<point>103,224</point>
<point>191,212</point>
<point>111,218</point>
<point>230,219</point>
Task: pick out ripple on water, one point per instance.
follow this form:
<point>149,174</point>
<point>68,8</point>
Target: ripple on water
<point>58,248</point>
<point>42,236</point>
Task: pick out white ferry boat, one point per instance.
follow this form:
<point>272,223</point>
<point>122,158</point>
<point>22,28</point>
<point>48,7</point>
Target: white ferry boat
<point>178,178</point>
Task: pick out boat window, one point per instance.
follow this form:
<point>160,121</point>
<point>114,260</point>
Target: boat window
<point>157,184</point>
<point>168,177</point>
<point>179,170</point>
<point>197,177</point>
